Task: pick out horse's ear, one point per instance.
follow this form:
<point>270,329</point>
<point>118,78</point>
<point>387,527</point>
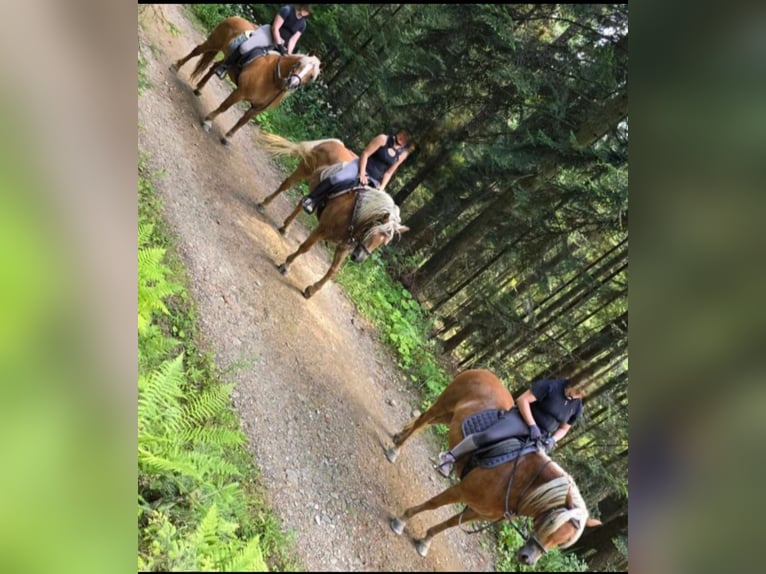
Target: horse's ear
<point>591,522</point>
<point>402,229</point>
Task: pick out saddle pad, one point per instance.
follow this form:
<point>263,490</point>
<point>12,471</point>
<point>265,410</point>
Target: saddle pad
<point>481,421</point>
<point>498,453</point>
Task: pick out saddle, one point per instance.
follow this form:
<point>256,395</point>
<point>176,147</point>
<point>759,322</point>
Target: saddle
<point>497,453</point>
<point>244,59</point>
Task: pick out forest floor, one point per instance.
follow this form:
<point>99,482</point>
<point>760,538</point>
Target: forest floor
<point>316,392</point>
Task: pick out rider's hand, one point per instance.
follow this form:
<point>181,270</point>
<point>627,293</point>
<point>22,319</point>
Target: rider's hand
<point>363,179</point>
<point>534,432</point>
<point>549,443</point>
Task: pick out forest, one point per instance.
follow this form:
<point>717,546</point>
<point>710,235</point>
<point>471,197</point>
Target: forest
<point>516,194</point>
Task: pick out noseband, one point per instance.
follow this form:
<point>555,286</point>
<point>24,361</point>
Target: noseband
<point>292,81</point>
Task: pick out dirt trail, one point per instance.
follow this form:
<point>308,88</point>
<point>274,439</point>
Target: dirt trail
<point>317,395</point>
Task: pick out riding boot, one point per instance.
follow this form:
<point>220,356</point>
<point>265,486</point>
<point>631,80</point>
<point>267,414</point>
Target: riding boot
<point>310,203</point>
<point>221,68</point>
<point>447,459</point>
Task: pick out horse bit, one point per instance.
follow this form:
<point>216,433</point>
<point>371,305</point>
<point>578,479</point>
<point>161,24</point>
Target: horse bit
<point>293,80</point>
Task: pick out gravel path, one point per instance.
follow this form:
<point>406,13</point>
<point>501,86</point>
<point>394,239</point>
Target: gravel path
<point>317,394</point>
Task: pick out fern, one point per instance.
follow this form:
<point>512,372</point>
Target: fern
<point>153,284</point>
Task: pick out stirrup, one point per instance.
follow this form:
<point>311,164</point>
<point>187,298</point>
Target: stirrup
<point>308,205</point>
<point>220,70</point>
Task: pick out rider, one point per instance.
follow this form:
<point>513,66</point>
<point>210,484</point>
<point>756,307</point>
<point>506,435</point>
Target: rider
<point>289,24</point>
<point>377,164</point>
<point>555,404</point>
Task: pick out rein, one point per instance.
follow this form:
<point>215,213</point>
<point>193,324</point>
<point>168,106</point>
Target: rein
<point>510,514</point>
<point>351,239</point>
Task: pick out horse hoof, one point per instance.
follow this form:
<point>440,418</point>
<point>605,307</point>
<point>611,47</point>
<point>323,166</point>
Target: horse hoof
<point>205,126</point>
<point>307,293</point>
<point>283,269</point>
<point>260,207</point>
<point>397,526</point>
<point>197,93</point>
<point>391,454</point>
<point>224,141</point>
<point>422,547</point>
<point>173,68</point>
<point>282,230</point>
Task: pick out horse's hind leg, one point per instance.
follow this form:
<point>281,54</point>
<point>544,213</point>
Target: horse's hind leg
<point>290,218</point>
<point>204,80</point>
<point>198,50</point>
<point>300,173</point>
<point>452,495</point>
<point>439,412</point>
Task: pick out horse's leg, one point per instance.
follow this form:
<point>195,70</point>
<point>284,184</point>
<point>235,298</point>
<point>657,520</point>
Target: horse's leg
<point>290,218</point>
<point>300,173</point>
<point>234,97</point>
<point>246,117</point>
<point>341,252</point>
<point>452,495</point>
<point>313,237</point>
<point>204,80</point>
<point>439,412</point>
<point>424,543</point>
<point>198,50</point>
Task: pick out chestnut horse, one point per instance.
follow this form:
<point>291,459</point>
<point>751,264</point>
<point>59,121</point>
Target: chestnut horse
<point>314,155</point>
<point>219,40</point>
<point>532,485</point>
<point>264,82</point>
<point>358,221</point>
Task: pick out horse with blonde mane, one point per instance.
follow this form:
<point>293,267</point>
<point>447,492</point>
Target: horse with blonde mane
<point>314,156</point>
<point>531,485</point>
<point>358,221</point>
<point>263,81</point>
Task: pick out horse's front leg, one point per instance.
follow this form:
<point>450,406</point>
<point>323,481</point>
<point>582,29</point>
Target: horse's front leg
<point>234,97</point>
<point>452,495</point>
<point>246,117</point>
<point>291,218</point>
<point>424,543</point>
<point>313,237</point>
<point>340,256</point>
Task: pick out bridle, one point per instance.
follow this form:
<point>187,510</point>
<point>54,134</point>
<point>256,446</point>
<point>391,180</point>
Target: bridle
<point>357,242</point>
<point>292,81</point>
<point>509,515</point>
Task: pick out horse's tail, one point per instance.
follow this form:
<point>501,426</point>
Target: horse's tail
<point>278,145</point>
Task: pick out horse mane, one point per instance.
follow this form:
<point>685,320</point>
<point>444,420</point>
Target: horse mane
<point>551,497</point>
<point>377,204</point>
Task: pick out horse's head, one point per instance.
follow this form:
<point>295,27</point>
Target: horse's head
<point>557,527</point>
<point>378,207</point>
<point>304,70</point>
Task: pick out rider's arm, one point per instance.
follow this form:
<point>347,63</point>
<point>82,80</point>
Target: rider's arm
<point>523,403</point>
<point>376,143</point>
<point>561,431</point>
<point>292,41</point>
<point>392,170</point>
<point>278,21</point>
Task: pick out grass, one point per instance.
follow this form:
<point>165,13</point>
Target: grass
<point>169,541</point>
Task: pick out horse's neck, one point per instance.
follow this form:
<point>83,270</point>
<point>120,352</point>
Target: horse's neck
<point>337,217</point>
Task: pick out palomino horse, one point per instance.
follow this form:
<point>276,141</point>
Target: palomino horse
<point>219,41</point>
<point>314,156</point>
<point>358,221</point>
<point>264,82</point>
<point>532,485</point>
